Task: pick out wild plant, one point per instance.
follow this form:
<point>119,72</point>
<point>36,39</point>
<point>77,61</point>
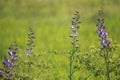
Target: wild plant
<point>31,61</point>
<point>25,59</point>
<point>9,70</point>
<point>105,43</point>
<point>30,43</point>
<point>106,54</point>
<point>74,66</point>
<point>30,54</point>
<point>103,61</point>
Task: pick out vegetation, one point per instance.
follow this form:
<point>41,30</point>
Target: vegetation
<point>47,46</point>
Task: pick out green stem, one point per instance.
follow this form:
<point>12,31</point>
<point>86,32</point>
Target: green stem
<point>71,62</point>
<point>106,57</point>
<point>70,76</point>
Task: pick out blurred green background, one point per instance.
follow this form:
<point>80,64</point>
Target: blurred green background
<point>51,21</point>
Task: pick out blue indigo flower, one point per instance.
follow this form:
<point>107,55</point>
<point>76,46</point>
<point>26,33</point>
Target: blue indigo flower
<point>10,53</point>
<point>13,59</point>
<point>74,41</point>
<point>6,62</point>
<point>9,63</point>
<point>103,35</point>
<point>74,28</point>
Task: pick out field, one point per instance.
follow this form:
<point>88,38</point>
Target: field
<point>50,21</point>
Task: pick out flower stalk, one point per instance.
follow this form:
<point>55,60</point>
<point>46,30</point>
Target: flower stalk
<point>105,43</point>
<point>74,37</point>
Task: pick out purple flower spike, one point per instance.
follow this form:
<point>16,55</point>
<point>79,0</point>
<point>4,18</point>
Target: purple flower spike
<point>9,62</point>
<point>74,28</point>
<point>30,42</point>
<point>103,35</point>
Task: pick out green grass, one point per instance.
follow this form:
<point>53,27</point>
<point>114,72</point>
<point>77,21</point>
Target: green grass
<point>51,21</point>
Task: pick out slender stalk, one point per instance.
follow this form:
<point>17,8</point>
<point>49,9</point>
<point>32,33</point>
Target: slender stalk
<point>70,76</point>
<point>71,64</point>
<point>106,58</point>
<point>107,65</point>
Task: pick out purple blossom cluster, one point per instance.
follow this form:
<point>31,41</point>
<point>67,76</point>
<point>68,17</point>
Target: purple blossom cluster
<point>9,63</point>
<point>103,35</point>
<point>74,27</point>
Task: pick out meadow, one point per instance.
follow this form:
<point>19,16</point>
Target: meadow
<point>50,21</point>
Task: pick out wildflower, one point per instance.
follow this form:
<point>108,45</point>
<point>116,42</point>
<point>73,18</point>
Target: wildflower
<point>74,28</point>
<point>103,35</point>
<point>74,41</point>
<point>13,59</point>
<point>9,63</point>
<point>30,43</point>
